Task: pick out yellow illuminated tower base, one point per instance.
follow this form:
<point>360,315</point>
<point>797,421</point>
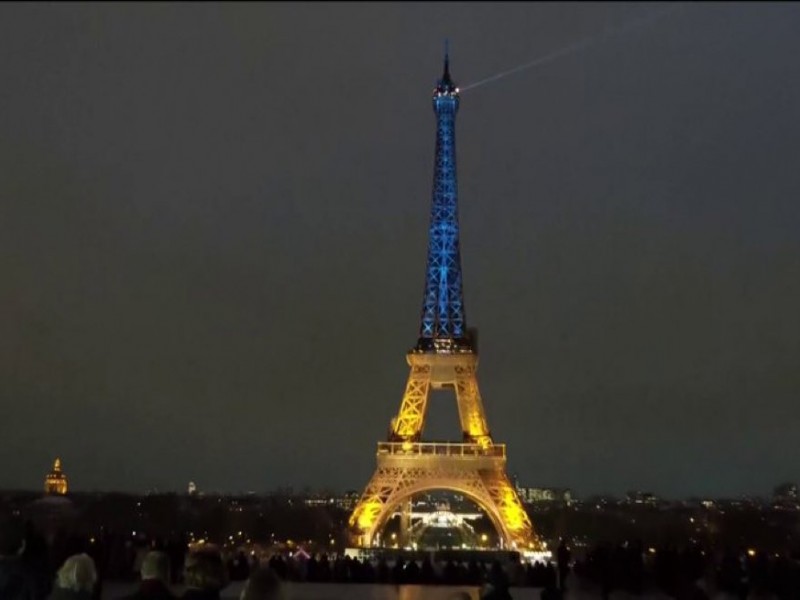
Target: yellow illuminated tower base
<point>474,467</point>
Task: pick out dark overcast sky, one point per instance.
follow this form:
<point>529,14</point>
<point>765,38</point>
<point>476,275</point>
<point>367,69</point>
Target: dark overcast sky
<point>213,227</point>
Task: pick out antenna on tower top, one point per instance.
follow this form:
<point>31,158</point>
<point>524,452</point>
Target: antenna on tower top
<point>445,83</point>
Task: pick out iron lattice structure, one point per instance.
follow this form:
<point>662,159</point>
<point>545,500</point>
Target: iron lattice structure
<point>443,315</point>
<point>444,358</point>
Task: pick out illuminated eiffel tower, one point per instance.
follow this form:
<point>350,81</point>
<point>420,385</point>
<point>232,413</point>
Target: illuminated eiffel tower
<point>445,357</point>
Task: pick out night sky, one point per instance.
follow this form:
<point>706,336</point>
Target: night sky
<point>213,225</point>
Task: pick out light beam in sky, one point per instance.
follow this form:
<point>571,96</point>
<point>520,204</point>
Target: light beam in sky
<point>579,45</point>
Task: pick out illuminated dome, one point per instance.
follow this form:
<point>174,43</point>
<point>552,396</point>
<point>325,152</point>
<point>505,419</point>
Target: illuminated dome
<point>56,482</point>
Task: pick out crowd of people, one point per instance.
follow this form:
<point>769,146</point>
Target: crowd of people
<point>24,574</point>
<point>693,571</point>
<point>78,567</point>
<point>322,569</point>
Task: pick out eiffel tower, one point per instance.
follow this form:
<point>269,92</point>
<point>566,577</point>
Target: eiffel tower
<point>445,357</point>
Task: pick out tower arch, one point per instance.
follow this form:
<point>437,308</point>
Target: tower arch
<point>482,499</point>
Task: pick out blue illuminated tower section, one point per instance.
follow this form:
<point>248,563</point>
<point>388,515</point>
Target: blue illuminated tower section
<point>443,326</point>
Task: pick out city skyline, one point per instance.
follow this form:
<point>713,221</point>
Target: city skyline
<point>56,483</point>
<point>213,237</point>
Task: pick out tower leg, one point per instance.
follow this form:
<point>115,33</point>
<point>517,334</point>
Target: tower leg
<point>470,406</point>
<point>411,418</point>
<point>405,524</point>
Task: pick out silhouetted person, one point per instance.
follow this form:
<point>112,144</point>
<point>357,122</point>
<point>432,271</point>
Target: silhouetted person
<point>155,574</point>
<point>563,557</point>
<point>339,569</point>
<point>35,557</point>
<point>176,550</point>
<point>450,575</point>
<point>427,576</point>
<point>204,575</point>
<point>76,579</point>
<point>367,572</point>
<point>636,568</point>
<point>238,567</point>
<point>474,573</point>
<point>398,571</point>
<point>383,573</point>
<point>263,584</point>
<point>551,593</point>
<point>743,584</point>
<point>412,572</point>
<point>18,581</point>
<point>312,573</point>
<point>277,564</point>
<point>497,586</point>
<point>605,571</point>
<point>692,591</point>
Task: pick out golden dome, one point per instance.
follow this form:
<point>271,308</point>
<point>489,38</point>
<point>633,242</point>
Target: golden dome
<point>56,482</point>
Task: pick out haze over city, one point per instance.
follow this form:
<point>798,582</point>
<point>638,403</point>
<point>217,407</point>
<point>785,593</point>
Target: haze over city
<point>213,232</point>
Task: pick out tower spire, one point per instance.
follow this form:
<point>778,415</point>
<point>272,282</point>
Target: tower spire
<point>446,84</point>
<point>443,325</point>
<point>446,59</point>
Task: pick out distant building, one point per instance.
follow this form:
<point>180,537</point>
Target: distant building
<point>533,495</point>
<point>55,482</point>
<point>639,497</point>
<point>348,501</point>
<point>319,500</point>
<point>786,494</point>
<point>192,489</point>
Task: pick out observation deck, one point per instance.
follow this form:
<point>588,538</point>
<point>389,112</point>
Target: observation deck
<point>455,453</point>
